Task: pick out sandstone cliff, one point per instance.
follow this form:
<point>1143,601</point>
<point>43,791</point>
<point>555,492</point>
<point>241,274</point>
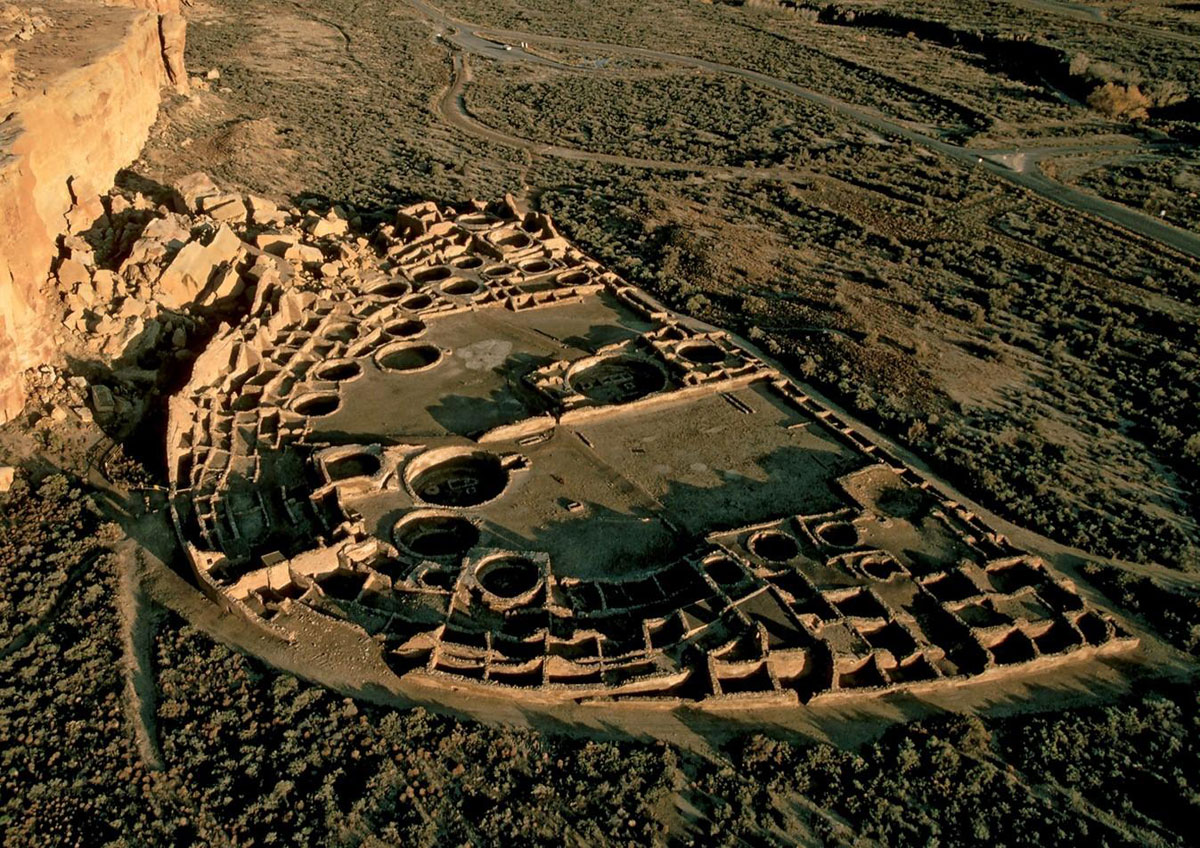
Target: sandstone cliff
<point>85,113</point>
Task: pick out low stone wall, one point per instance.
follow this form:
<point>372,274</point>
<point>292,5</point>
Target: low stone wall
<point>60,148</point>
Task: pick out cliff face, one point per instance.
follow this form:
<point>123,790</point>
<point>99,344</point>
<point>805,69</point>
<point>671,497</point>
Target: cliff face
<point>61,145</point>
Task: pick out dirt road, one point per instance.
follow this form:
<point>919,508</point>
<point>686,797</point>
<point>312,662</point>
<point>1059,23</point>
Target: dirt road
<point>500,45</point>
<point>453,109</point>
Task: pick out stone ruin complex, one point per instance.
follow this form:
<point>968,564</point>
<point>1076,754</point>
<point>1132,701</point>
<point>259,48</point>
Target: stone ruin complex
<point>480,450</point>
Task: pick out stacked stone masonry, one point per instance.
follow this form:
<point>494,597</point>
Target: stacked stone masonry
<point>469,442</point>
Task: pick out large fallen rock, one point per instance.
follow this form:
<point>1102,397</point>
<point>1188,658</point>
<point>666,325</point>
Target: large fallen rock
<point>193,190</point>
<point>172,30</point>
<point>196,264</point>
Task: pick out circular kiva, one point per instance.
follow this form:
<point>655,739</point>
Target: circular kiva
<point>338,370</point>
<point>459,287</point>
<point>514,240</point>
<point>419,300</point>
<point>341,332</point>
<point>774,546</point>
<point>407,357</point>
<point>353,464</point>
<point>466,263</point>
<point>838,534</point>
<point>435,535</point>
<point>397,569</point>
<point>702,352</point>
<point>432,275</point>
<point>535,266</point>
<point>394,287</point>
<point>317,404</point>
<point>456,477</point>
<point>572,278</point>
<point>616,379</point>
<point>723,570</point>
<point>494,271</point>
<point>476,219</point>
<point>508,577</point>
<point>405,328</point>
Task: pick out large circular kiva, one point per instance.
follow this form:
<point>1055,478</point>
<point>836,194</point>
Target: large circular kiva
<point>617,379</point>
<point>434,535</point>
<point>774,546</point>
<point>457,478</point>
<point>508,576</point>
<point>407,357</point>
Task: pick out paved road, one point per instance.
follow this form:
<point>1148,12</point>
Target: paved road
<point>502,45</point>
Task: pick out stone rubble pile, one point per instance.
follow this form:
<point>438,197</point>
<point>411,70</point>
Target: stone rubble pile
<point>22,25</point>
<point>54,395</point>
<point>144,274</point>
<point>17,25</point>
<point>146,281</point>
<point>57,396</point>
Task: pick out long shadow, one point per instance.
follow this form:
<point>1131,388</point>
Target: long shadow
<point>510,401</point>
<point>734,500</point>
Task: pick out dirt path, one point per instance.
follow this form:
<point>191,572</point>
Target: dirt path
<point>497,44</point>
<point>139,621</point>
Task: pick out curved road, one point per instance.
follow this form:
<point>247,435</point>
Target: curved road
<point>453,108</point>
<point>498,44</point>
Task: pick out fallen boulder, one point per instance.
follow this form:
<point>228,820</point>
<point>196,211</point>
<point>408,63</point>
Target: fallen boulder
<point>189,273</point>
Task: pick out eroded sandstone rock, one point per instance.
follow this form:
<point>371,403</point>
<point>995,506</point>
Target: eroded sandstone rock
<point>86,118</point>
<point>193,189</point>
<point>8,58</point>
<point>172,29</point>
